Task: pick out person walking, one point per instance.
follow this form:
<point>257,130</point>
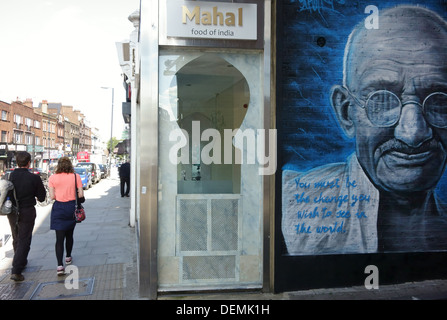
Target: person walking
<point>62,188</point>
<point>124,173</point>
<point>28,187</point>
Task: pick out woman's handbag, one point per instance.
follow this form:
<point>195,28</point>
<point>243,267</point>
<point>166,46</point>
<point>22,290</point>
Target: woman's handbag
<point>79,209</point>
<point>79,213</point>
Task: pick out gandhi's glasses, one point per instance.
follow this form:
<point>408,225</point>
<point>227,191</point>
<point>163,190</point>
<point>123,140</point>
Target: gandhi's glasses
<point>383,108</point>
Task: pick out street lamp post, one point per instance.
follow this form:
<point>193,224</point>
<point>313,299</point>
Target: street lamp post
<point>33,134</point>
<point>111,128</point>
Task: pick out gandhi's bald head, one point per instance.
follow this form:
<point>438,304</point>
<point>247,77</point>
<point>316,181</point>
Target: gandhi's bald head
<point>401,64</point>
<point>404,31</point>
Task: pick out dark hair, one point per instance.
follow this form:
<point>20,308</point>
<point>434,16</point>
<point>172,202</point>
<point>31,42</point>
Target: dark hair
<point>64,166</point>
<point>23,158</point>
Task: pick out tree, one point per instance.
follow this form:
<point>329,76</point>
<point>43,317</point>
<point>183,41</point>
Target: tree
<point>114,141</point>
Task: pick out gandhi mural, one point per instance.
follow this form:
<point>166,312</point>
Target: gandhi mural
<point>393,102</point>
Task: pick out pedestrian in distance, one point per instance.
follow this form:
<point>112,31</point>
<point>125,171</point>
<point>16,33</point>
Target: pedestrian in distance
<point>62,189</point>
<point>28,187</point>
<point>124,173</point>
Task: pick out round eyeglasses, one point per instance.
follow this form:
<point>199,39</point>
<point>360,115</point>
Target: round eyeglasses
<point>383,108</point>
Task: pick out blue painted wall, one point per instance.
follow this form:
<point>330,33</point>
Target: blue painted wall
<point>310,136</point>
<point>311,41</point>
<point>308,132</point>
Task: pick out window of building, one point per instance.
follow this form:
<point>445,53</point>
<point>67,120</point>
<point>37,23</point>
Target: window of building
<point>29,139</point>
<point>18,118</point>
<point>4,136</point>
<point>17,137</point>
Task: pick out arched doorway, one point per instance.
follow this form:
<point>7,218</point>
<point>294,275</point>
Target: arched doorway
<point>210,203</point>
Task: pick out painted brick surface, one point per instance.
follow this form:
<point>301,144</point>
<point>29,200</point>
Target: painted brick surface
<point>311,39</point>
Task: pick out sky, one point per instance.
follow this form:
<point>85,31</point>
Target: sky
<point>64,51</point>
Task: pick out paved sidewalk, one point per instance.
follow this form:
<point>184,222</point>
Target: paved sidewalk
<point>104,254</point>
<point>423,290</point>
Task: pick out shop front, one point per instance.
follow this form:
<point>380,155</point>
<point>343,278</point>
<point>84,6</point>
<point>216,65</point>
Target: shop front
<point>204,131</point>
<point>3,156</point>
<point>308,165</point>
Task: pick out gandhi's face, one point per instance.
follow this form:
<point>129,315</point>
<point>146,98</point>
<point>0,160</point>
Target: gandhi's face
<point>410,155</point>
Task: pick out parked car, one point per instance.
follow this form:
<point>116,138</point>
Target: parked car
<point>43,175</point>
<point>104,170</point>
<point>86,177</point>
<point>96,174</point>
<point>6,174</point>
<point>99,171</point>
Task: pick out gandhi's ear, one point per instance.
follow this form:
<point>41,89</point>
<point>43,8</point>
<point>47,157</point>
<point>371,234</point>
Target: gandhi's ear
<point>340,103</point>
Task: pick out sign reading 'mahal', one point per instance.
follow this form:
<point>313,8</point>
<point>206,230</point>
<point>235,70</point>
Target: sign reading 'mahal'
<point>211,20</point>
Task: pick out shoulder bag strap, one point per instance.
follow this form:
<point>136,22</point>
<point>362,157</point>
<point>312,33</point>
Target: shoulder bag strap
<point>15,197</point>
<point>76,191</point>
<point>14,192</point>
<point>17,202</point>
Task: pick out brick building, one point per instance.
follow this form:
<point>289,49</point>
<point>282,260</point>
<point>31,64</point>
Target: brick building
<point>5,109</point>
<point>47,132</point>
<point>72,133</point>
<point>24,132</point>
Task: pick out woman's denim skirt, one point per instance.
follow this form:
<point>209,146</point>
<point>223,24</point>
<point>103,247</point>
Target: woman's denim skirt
<point>62,215</point>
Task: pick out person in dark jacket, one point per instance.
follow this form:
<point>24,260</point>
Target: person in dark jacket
<point>124,172</point>
<point>28,187</point>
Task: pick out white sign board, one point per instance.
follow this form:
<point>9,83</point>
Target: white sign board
<point>211,20</point>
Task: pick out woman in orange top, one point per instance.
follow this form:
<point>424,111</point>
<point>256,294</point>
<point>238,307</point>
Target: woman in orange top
<point>62,189</point>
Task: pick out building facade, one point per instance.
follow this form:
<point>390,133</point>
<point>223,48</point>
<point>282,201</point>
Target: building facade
<point>24,132</point>
<point>252,125</point>
<point>5,109</point>
<point>41,131</point>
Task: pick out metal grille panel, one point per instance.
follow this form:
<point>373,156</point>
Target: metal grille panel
<point>224,224</point>
<point>209,267</point>
<point>193,225</point>
<point>208,237</point>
